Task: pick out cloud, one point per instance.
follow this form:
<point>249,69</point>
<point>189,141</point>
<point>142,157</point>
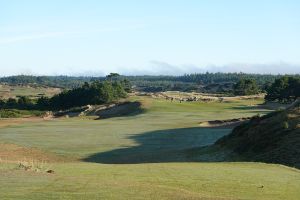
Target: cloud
<point>164,68</point>
<point>161,68</point>
<point>7,40</point>
<point>260,68</point>
<point>76,33</point>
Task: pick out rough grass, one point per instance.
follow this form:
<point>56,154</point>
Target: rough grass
<point>15,113</point>
<point>8,91</point>
<point>156,142</point>
<point>273,138</point>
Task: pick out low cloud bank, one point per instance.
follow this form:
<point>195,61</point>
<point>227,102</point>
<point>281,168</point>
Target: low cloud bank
<point>156,68</point>
<point>164,68</point>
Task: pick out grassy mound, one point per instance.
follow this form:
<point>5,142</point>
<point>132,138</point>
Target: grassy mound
<point>122,109</point>
<point>273,138</point>
<point>104,111</point>
<point>224,123</point>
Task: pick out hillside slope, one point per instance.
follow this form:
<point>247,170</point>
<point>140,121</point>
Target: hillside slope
<point>273,138</point>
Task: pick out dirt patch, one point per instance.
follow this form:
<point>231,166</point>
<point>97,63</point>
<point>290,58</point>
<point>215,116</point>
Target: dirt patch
<point>224,123</point>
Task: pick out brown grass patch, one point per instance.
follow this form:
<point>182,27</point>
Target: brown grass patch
<point>4,122</point>
<point>12,153</point>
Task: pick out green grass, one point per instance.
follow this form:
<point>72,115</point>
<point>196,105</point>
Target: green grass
<point>153,181</point>
<point>142,157</point>
<point>82,137</point>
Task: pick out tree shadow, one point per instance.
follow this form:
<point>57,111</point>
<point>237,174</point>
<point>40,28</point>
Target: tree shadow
<point>269,106</point>
<point>168,145</point>
<point>261,108</point>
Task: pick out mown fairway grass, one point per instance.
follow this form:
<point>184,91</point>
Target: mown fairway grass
<point>141,157</point>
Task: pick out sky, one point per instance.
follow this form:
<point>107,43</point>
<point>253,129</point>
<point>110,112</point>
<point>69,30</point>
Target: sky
<point>137,37</point>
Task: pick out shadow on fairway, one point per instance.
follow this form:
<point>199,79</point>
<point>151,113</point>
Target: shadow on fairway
<point>161,146</point>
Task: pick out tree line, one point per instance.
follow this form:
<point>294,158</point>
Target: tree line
<point>284,89</point>
<point>89,93</point>
<point>185,82</point>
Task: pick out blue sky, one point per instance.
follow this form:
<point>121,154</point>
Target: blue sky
<point>149,37</point>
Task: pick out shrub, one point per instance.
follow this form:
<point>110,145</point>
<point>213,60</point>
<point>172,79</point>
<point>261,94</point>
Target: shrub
<point>285,125</point>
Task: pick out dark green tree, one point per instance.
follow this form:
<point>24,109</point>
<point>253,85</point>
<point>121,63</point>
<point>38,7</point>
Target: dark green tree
<point>43,103</point>
<point>11,102</point>
<point>126,85</point>
<point>95,93</point>
<point>284,89</point>
<point>112,76</point>
<point>2,103</point>
<point>24,101</point>
<point>246,87</point>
